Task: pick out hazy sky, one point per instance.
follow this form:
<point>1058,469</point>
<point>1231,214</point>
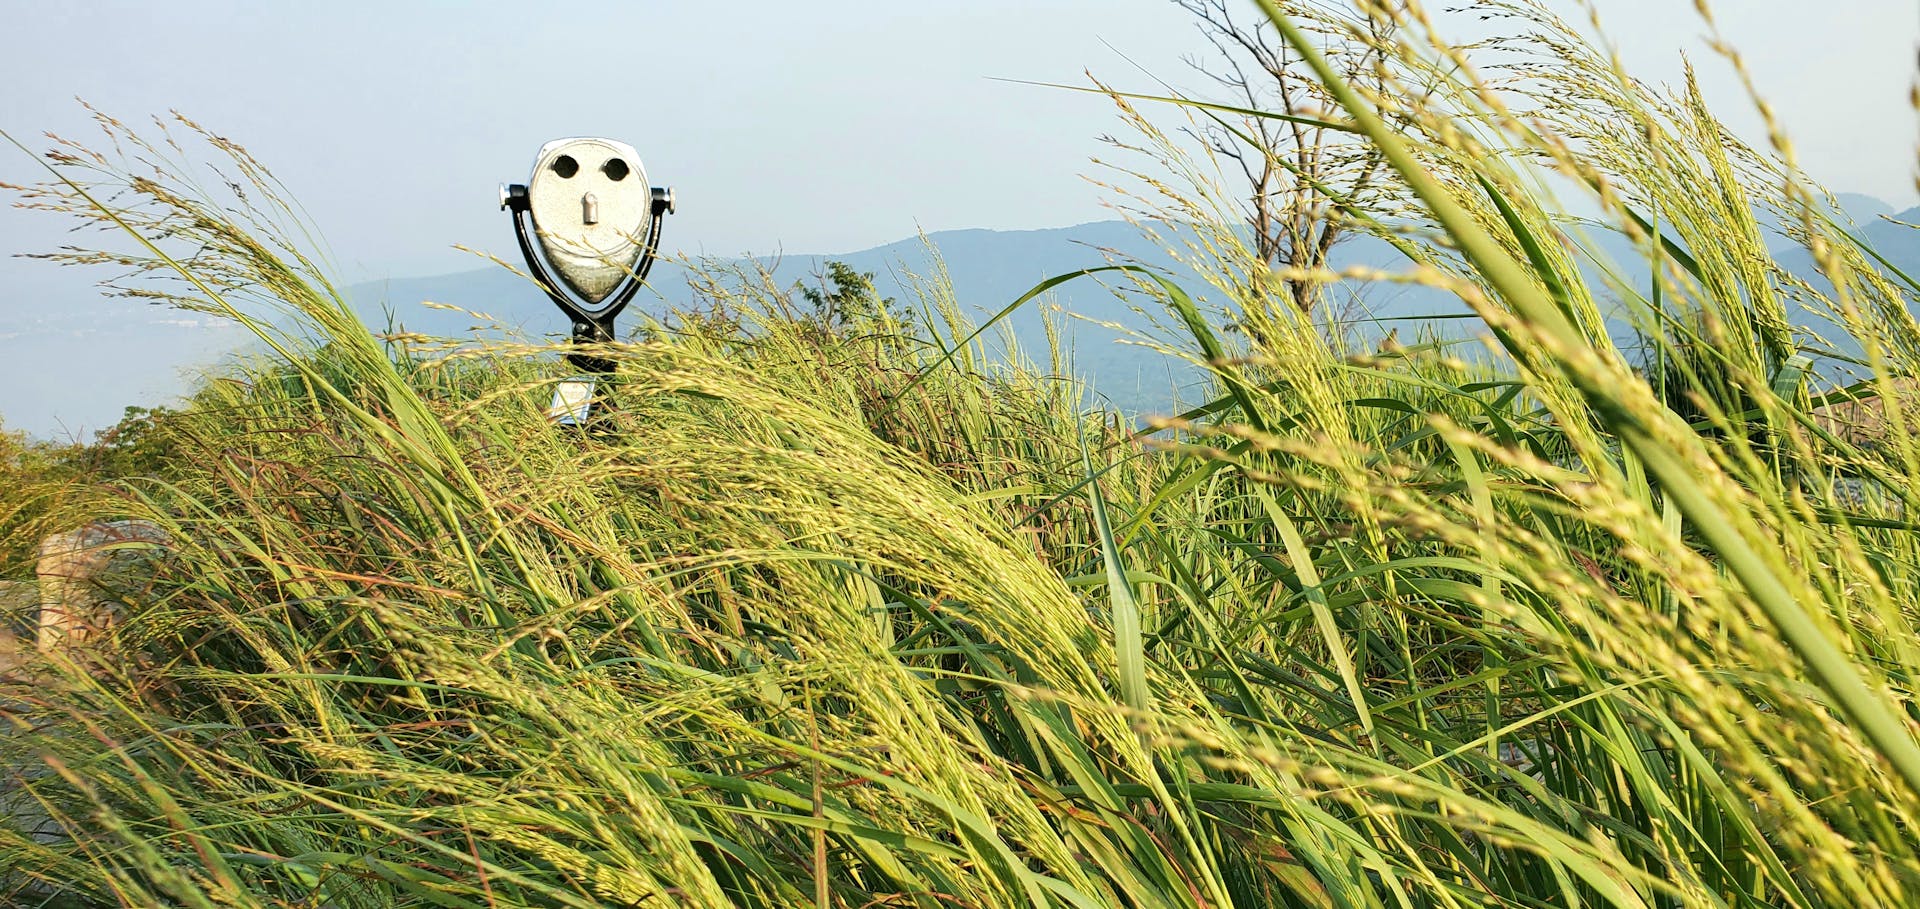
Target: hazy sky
<point>820,127</point>
<point>817,126</point>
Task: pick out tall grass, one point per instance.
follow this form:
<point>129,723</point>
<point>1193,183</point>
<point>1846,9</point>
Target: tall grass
<point>859,618</point>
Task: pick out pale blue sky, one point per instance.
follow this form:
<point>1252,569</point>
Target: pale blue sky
<point>819,127</point>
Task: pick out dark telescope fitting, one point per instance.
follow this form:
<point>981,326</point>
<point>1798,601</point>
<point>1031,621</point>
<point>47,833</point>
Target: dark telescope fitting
<point>588,225</point>
<point>591,325</point>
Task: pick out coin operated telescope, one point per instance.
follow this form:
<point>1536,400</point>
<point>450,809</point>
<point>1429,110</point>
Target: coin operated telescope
<point>588,225</point>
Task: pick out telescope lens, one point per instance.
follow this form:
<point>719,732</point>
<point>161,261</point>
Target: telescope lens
<point>591,210</point>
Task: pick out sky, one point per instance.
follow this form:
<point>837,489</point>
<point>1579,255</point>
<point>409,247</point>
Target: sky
<point>818,127</point>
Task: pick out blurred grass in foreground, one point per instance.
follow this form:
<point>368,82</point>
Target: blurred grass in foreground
<point>846,615</point>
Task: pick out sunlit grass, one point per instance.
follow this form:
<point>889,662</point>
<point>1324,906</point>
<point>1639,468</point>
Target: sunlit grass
<point>860,618</point>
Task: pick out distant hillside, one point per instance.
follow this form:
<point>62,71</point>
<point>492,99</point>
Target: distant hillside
<point>988,269</point>
<point>86,361</point>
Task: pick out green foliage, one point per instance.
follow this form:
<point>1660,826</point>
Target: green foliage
<point>846,298</point>
<point>140,445</point>
<point>21,468</point>
<point>48,488</point>
<point>35,479</point>
<point>858,618</point>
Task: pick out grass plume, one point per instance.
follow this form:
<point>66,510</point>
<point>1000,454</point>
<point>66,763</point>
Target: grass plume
<point>850,615</point>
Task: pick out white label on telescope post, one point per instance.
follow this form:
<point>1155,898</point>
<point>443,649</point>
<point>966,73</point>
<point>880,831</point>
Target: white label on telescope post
<point>572,400</point>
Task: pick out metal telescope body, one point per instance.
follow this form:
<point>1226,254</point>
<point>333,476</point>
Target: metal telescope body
<point>588,225</point>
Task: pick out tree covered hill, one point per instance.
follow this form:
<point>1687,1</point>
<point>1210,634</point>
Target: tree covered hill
<point>91,360</point>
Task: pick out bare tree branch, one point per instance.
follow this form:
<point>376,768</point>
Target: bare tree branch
<point>1291,171</point>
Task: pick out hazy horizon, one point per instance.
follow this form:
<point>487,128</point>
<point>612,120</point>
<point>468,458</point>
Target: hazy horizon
<point>824,128</point>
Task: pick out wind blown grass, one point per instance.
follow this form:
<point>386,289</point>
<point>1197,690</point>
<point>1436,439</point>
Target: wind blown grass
<point>856,617</point>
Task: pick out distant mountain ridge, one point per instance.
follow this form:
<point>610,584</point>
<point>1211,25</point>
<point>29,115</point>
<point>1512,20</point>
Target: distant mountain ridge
<point>990,268</point>
<point>94,358</point>
<point>987,269</point>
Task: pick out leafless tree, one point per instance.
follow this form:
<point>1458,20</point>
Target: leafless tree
<point>1298,177</point>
